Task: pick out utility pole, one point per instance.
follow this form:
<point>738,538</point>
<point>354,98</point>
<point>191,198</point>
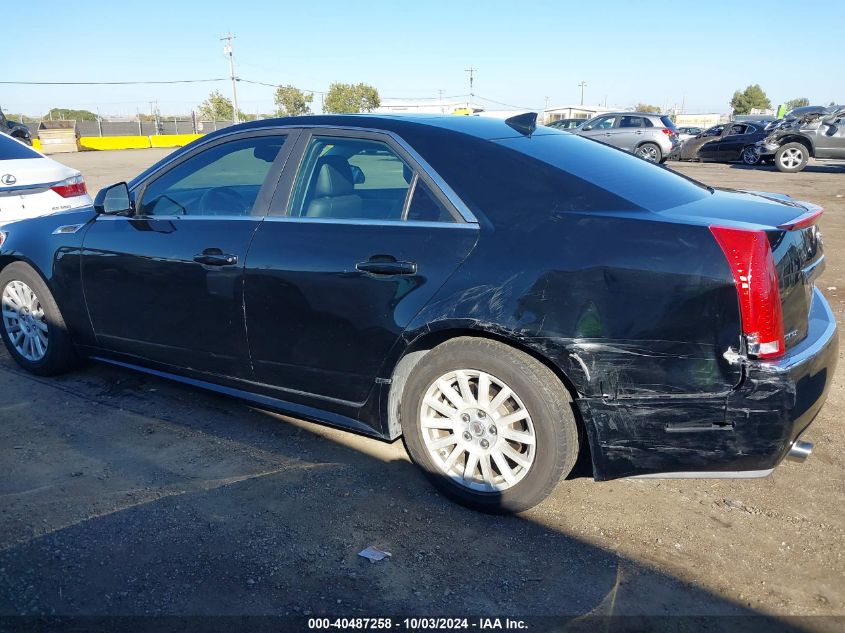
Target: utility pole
<point>582,85</point>
<point>471,72</point>
<point>227,50</point>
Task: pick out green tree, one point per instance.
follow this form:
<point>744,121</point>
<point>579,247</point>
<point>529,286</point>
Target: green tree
<point>351,98</point>
<point>796,103</point>
<point>291,101</point>
<point>646,107</point>
<point>220,108</point>
<point>70,115</point>
<point>750,98</point>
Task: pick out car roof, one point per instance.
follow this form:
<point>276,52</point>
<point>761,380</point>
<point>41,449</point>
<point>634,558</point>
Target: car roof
<point>486,128</point>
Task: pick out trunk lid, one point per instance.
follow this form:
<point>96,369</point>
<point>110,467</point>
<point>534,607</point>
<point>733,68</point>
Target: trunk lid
<point>31,173</point>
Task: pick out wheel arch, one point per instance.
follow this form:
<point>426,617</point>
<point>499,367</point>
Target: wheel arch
<point>803,140</point>
<point>422,344</point>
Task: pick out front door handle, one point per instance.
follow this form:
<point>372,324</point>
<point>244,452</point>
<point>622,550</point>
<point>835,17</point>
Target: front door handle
<point>386,265</point>
<point>215,257</point>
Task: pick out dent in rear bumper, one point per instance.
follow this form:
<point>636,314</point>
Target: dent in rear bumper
<point>749,428</point>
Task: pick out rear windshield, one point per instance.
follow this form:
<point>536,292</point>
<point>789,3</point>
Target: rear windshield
<point>668,122</point>
<point>10,149</point>
<point>549,173</point>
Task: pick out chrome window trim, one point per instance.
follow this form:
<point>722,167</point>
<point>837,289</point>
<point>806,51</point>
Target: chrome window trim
<point>439,182</point>
<point>364,222</point>
<point>178,218</point>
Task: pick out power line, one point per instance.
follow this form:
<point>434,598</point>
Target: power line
<point>107,83</point>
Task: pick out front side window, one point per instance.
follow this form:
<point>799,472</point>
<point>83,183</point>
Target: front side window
<point>604,123</point>
<point>224,180</point>
<point>350,178</point>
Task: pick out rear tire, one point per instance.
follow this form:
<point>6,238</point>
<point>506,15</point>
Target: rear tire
<point>31,325</point>
<point>463,442</point>
<point>750,155</point>
<point>792,157</point>
<point>650,152</point>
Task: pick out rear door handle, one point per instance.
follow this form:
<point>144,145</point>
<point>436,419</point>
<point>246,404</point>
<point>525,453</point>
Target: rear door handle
<point>215,257</point>
<point>386,265</point>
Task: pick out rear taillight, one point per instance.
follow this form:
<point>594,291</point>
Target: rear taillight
<point>70,187</point>
<point>668,132</point>
<point>756,280</point>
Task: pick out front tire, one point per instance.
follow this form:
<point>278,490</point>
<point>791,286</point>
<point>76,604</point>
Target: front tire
<point>650,152</point>
<point>791,157</point>
<point>31,325</point>
<point>492,427</point>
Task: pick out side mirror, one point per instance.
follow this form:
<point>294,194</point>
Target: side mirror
<point>358,176</point>
<point>113,200</point>
<point>587,127</point>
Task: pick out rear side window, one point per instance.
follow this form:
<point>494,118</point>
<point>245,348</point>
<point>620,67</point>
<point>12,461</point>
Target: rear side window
<point>425,207</point>
<point>10,149</point>
<point>631,121</point>
<point>668,122</point>
<point>515,179</point>
<point>352,179</point>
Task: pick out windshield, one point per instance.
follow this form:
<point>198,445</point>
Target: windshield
<point>10,149</point>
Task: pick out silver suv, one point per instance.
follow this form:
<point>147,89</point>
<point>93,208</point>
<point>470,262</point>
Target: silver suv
<point>649,136</point>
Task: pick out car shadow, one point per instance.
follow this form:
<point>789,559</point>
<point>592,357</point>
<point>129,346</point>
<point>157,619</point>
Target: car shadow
<point>814,167</point>
<point>125,494</point>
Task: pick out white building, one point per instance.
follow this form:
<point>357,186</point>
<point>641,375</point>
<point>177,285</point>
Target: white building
<point>575,112</point>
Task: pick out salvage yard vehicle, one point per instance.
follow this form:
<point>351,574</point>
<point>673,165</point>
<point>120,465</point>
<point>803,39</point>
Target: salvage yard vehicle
<point>15,129</point>
<point>806,132</point>
<point>652,137</point>
<point>726,143</point>
<point>566,124</point>
<point>32,184</point>
<point>559,297</point>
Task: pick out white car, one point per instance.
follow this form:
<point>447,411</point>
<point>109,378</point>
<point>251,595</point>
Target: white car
<point>32,185</point>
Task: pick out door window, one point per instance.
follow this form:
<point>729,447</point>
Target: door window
<point>604,123</point>
<point>353,179</point>
<point>223,180</point>
<point>630,121</point>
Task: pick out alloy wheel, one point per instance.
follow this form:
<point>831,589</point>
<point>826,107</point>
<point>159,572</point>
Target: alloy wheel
<point>791,158</point>
<point>25,321</point>
<point>477,430</point>
<point>750,156</point>
<point>649,152</point>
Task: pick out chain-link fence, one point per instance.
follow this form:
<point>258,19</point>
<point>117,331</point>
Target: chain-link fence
<point>161,125</point>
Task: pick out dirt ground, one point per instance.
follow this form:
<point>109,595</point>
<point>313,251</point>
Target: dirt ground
<point>126,494</point>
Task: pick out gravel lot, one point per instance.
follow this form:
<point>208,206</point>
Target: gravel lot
<point>126,494</point>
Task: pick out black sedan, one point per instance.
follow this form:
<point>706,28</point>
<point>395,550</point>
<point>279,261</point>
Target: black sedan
<point>726,143</point>
<point>501,295</point>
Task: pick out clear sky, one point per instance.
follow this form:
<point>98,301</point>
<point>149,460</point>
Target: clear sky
<point>663,53</point>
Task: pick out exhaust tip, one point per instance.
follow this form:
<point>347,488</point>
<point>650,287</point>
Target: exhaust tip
<point>799,451</point>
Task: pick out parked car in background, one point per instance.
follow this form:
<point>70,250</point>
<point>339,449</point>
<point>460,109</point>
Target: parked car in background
<point>15,129</point>
<point>685,133</point>
<point>806,132</point>
<point>652,137</point>
<point>32,184</point>
<point>725,143</point>
<point>566,124</point>
<point>559,292</point>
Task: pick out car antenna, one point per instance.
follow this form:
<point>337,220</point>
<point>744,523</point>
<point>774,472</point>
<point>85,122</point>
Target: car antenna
<point>525,124</point>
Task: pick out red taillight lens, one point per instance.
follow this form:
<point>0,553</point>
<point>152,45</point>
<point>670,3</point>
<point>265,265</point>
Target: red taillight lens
<point>71,187</point>
<point>756,279</point>
<point>668,132</point>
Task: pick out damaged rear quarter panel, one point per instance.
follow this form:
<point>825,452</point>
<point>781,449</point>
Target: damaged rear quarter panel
<point>638,314</point>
